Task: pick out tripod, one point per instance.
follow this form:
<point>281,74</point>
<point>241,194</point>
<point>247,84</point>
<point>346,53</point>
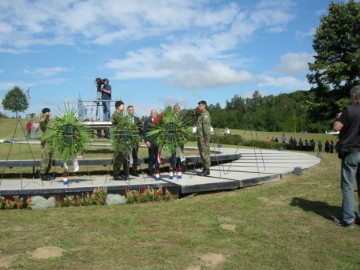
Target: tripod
<point>13,141</point>
<point>97,117</point>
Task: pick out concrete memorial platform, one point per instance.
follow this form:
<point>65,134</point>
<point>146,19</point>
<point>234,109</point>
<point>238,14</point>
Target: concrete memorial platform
<point>231,168</point>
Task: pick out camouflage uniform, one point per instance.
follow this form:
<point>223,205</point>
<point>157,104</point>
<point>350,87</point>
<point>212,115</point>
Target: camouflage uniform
<point>118,156</point>
<point>203,126</point>
<point>46,150</point>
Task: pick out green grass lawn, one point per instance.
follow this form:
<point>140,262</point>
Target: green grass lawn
<point>281,225</point>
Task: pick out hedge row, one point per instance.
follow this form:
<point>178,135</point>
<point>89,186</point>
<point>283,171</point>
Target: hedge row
<point>275,145</point>
<point>238,140</point>
<point>221,139</point>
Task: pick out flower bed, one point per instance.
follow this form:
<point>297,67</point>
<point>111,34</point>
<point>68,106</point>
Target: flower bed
<point>99,196</point>
<point>147,194</point>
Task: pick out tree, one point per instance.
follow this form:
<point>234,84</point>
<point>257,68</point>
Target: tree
<point>337,46</point>
<point>15,100</point>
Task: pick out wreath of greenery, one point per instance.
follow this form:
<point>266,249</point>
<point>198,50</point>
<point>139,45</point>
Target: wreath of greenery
<point>124,134</point>
<point>170,131</point>
<point>66,134</point>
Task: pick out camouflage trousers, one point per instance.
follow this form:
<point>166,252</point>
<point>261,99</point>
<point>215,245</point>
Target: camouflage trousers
<point>204,151</point>
<point>46,156</point>
<point>118,162</point>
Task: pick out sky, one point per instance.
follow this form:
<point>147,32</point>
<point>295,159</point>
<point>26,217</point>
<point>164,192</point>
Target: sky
<point>155,52</point>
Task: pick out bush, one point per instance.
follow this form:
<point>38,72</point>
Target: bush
<point>99,196</point>
<point>192,137</point>
<point>275,145</point>
<point>228,139</point>
<point>221,139</point>
<point>147,194</point>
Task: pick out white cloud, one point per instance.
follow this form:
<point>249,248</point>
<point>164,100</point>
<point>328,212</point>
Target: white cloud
<point>140,64</point>
<point>6,86</point>
<point>192,43</point>
<point>171,100</point>
<point>206,75</point>
<point>200,59</point>
<point>14,51</point>
<point>25,23</point>
<point>273,15</point>
<point>179,71</point>
<point>51,81</point>
<point>301,35</point>
<point>294,63</point>
<point>46,72</point>
<point>285,82</point>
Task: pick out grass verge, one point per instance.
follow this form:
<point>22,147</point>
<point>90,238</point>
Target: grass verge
<point>281,225</point>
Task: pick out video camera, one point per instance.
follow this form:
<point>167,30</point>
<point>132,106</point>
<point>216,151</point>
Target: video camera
<point>99,83</point>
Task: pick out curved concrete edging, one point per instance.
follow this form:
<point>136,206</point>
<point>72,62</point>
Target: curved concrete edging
<point>253,167</point>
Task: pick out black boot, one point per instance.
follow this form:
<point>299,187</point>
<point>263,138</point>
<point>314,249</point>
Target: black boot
<point>205,172</point>
<point>119,177</point>
<point>46,177</point>
<point>201,173</point>
<point>183,166</point>
<point>134,172</point>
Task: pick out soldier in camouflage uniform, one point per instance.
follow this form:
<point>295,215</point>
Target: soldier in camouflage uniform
<point>46,150</point>
<point>203,127</point>
<point>118,156</point>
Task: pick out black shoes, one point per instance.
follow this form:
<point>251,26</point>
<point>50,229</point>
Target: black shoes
<point>183,166</point>
<point>46,177</point>
<point>119,177</point>
<point>205,172</point>
<point>341,223</point>
<point>134,173</point>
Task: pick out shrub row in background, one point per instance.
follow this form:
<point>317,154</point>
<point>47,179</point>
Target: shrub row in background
<point>275,145</point>
<point>221,139</point>
<point>238,140</point>
<point>228,139</point>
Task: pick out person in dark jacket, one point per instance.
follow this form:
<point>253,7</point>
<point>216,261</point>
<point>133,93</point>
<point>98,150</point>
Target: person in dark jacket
<point>151,145</point>
<point>348,147</point>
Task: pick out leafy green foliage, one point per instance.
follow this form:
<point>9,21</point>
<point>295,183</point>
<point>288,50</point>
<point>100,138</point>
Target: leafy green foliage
<point>67,135</point>
<point>148,194</point>
<point>229,139</point>
<point>336,44</point>
<point>125,134</point>
<point>15,100</point>
<point>171,131</point>
<point>285,112</point>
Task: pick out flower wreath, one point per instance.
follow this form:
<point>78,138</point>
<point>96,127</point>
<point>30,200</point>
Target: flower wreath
<point>125,134</point>
<point>66,134</point>
<point>169,131</point>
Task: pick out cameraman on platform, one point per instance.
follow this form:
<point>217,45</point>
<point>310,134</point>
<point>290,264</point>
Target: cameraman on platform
<point>105,91</point>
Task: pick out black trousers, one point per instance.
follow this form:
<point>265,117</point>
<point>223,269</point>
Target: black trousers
<point>153,151</point>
